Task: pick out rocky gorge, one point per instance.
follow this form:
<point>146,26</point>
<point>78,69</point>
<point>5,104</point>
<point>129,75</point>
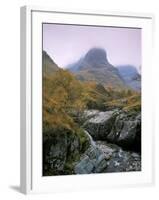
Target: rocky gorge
<point>117,143</point>
<point>111,143</point>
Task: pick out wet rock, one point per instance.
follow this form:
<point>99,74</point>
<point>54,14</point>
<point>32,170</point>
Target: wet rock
<point>119,127</point>
<point>100,124</point>
<point>93,161</point>
<point>61,149</point>
<point>120,160</point>
<point>105,158</point>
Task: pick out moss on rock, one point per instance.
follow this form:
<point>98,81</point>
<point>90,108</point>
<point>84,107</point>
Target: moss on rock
<point>62,149</point>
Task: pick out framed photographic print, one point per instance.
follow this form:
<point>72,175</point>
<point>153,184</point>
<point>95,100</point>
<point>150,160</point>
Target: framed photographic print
<point>86,100</point>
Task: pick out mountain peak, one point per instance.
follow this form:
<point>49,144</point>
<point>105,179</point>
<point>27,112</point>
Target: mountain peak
<point>94,66</point>
<point>96,56</point>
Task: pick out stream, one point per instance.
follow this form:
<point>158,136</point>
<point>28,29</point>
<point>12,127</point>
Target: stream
<point>103,157</point>
<point>92,142</point>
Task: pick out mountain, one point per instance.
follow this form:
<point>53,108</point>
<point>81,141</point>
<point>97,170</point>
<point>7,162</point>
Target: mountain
<point>49,66</point>
<point>131,76</point>
<point>94,66</point>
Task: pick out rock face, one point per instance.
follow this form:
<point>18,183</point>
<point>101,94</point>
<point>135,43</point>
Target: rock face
<point>117,127</point>
<point>61,149</point>
<point>126,131</point>
<point>99,124</point>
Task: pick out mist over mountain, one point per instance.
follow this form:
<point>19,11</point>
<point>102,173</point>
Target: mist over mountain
<point>94,66</point>
<point>95,57</point>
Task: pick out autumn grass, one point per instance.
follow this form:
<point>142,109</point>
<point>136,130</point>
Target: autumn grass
<point>65,99</point>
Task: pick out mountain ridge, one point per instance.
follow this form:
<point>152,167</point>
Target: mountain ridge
<point>94,66</point>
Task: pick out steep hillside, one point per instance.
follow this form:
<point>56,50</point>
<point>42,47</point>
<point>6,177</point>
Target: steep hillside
<point>49,66</point>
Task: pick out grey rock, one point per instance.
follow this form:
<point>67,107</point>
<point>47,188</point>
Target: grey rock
<point>93,161</point>
<point>120,160</point>
<point>60,150</point>
<point>55,152</point>
<point>106,158</point>
<point>100,124</point>
<point>101,166</point>
<point>126,131</point>
<point>115,126</point>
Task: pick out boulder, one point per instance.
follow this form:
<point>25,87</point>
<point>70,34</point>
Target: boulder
<point>126,131</point>
<point>122,161</point>
<point>99,124</point>
<point>93,161</point>
<point>119,127</point>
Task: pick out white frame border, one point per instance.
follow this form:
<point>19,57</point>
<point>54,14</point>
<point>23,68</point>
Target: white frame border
<point>26,97</point>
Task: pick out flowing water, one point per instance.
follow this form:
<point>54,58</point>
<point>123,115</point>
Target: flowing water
<point>103,157</point>
<point>91,139</point>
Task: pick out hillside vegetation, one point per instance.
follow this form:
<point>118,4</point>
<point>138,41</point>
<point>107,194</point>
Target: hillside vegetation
<point>65,99</point>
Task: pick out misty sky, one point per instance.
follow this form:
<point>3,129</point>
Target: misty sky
<point>67,43</point>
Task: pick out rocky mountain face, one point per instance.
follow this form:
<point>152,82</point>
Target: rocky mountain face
<point>94,66</point>
<point>130,76</point>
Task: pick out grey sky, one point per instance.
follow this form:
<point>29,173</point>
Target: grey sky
<point>67,43</point>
